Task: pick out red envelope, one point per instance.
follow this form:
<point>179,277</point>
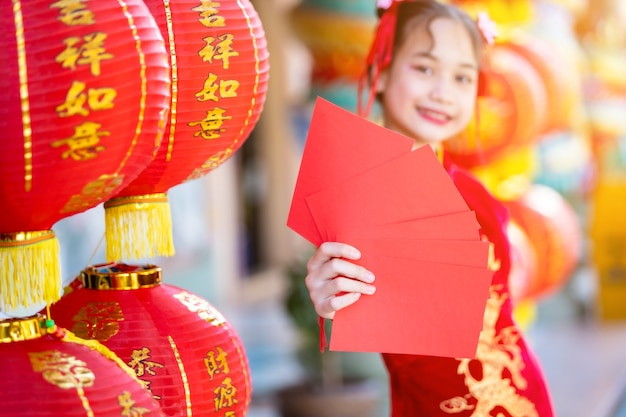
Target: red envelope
<point>339,145</point>
<point>460,226</point>
<point>454,252</point>
<point>412,186</point>
<point>435,310</point>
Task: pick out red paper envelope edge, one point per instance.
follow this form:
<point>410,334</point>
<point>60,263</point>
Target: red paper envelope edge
<point>454,252</point>
<point>459,226</point>
<point>339,145</point>
<point>412,186</point>
<point>437,310</point>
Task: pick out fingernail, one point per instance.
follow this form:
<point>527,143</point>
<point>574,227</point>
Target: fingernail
<point>355,254</point>
<point>369,277</point>
<point>370,289</point>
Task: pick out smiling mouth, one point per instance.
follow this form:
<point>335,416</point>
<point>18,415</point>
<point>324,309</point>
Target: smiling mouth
<point>434,116</point>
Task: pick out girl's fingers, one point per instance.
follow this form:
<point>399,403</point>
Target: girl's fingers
<point>329,250</point>
<point>328,308</point>
<point>333,281</point>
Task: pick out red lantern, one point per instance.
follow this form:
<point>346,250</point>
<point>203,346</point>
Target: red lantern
<point>219,60</point>
<point>523,263</point>
<point>509,115</point>
<point>85,92</point>
<point>562,87</point>
<point>553,230</point>
<point>180,346</point>
<point>49,373</point>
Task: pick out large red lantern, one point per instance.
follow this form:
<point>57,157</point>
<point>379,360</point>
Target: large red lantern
<point>509,115</point>
<point>85,91</point>
<point>180,346</point>
<point>219,60</point>
<point>562,87</point>
<point>552,227</point>
<point>47,372</point>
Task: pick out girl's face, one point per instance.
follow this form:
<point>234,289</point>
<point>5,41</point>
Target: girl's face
<point>429,90</point>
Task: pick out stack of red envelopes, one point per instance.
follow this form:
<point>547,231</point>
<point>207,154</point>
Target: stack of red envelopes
<point>361,184</point>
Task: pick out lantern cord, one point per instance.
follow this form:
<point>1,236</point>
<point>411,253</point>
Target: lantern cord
<point>93,254</point>
<point>138,227</point>
<point>29,269</point>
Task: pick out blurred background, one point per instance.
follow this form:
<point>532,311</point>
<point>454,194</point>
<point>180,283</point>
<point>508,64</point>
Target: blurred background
<point>552,148</point>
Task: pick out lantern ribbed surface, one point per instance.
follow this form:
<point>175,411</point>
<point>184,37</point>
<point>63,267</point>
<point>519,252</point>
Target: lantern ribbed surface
<point>85,88</point>
<point>219,60</point>
<point>180,346</point>
<point>50,374</point>
<point>85,93</point>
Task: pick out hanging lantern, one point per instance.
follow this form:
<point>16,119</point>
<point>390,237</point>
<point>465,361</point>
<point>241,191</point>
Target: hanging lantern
<point>47,372</point>
<point>219,59</point>
<point>552,227</point>
<point>563,88</point>
<point>85,92</point>
<point>510,114</point>
<point>180,346</point>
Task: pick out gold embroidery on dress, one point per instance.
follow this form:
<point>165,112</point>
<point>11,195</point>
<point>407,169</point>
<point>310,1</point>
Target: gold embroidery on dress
<point>496,353</point>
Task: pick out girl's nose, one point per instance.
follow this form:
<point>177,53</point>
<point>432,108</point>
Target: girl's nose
<point>441,90</point>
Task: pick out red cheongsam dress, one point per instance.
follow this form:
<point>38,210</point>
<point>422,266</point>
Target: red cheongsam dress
<point>504,380</point>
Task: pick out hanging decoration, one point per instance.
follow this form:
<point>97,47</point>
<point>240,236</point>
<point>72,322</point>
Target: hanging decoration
<point>48,372</point>
<point>511,112</point>
<point>85,92</point>
<point>552,227</point>
<point>219,60</point>
<point>179,345</point>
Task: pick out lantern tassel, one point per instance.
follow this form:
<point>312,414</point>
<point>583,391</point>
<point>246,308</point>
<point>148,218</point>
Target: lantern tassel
<point>30,273</point>
<point>138,227</point>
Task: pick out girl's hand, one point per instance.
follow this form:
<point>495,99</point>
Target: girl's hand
<point>333,281</point>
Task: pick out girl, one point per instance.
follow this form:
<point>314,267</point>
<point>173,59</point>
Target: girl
<point>423,69</point>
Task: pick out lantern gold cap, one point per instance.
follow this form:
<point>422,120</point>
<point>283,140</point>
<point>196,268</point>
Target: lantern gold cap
<point>21,329</point>
<point>118,276</point>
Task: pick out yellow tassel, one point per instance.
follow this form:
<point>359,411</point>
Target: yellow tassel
<point>30,271</point>
<point>138,227</point>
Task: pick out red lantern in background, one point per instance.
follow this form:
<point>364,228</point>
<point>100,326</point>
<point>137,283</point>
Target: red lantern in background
<point>85,91</point>
<point>219,60</point>
<point>553,230</point>
<point>180,346</point>
<point>562,87</point>
<point>509,114</point>
<point>50,374</point>
<point>523,263</point>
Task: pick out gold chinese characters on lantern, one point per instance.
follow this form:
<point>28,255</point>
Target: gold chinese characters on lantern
<point>219,60</point>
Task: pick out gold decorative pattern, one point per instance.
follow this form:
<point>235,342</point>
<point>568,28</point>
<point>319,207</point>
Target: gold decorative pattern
<point>144,82</point>
<point>498,353</point>
<point>64,371</point>
<point>198,305</point>
<point>98,320</point>
<point>174,87</point>
<point>149,277</point>
<point>183,374</point>
<point>18,330</point>
<point>27,130</point>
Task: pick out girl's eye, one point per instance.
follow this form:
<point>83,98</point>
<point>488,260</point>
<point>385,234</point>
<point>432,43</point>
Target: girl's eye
<point>423,69</point>
<point>464,79</point>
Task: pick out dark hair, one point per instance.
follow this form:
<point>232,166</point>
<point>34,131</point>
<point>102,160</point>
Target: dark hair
<point>413,14</point>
